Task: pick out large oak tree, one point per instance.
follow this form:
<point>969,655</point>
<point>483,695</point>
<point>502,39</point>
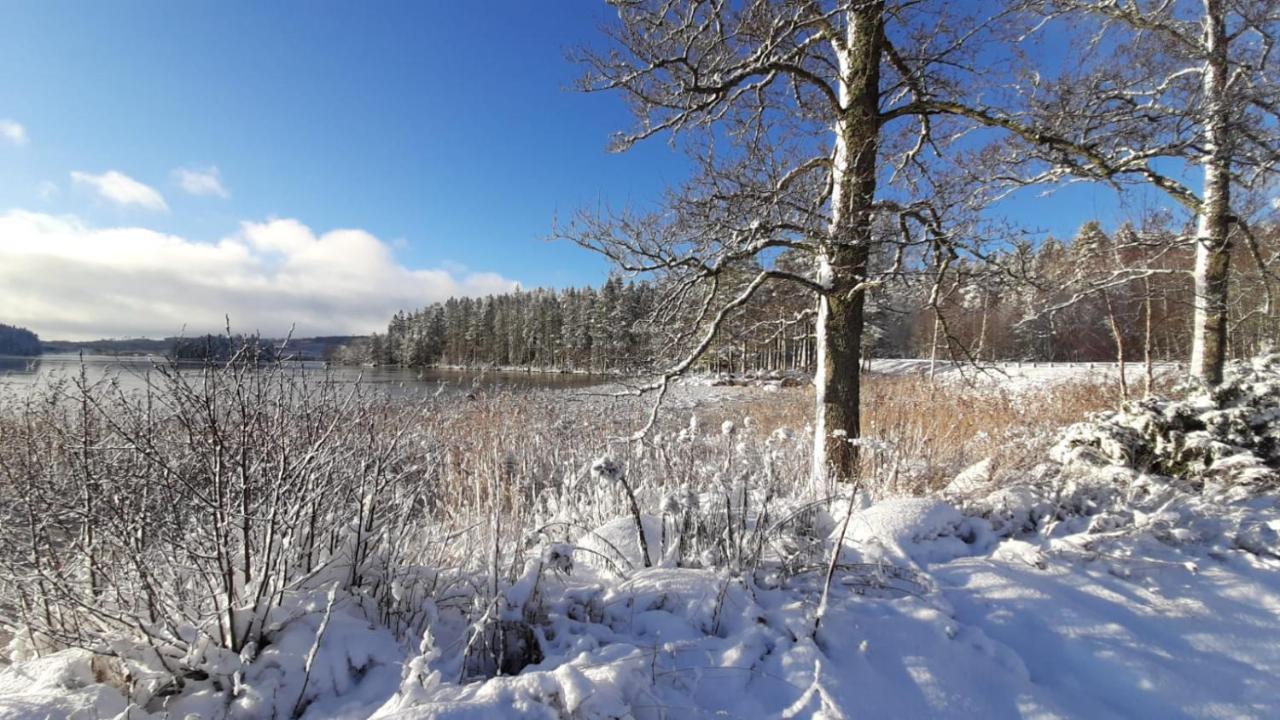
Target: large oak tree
<point>811,134</point>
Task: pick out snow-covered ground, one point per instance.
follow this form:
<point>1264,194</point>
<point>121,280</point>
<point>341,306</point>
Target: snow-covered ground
<point>931,618</point>
<point>1133,628</point>
<point>1010,376</point>
<point>1029,370</point>
<point>1025,375</point>
<point>1135,573</point>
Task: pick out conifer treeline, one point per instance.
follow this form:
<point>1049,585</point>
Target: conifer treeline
<point>18,341</point>
<point>586,329</point>
<point>1127,295</point>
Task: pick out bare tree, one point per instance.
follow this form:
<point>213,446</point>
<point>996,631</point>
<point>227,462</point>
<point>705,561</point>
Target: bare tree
<point>805,123</point>
<point>1155,88</point>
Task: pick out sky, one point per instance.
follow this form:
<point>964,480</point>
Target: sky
<point>309,164</point>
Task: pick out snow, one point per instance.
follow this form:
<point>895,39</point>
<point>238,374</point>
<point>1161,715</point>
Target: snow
<point>58,686</point>
<point>1030,627</point>
<point>1117,579</point>
<point>905,529</point>
<point>614,544</point>
<point>1010,376</point>
<point>999,638</point>
<point>1146,639</point>
<point>356,668</point>
<point>1088,587</point>
<point>1020,376</point>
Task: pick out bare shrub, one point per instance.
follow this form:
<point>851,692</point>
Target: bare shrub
<point>167,524</point>
<point>171,526</point>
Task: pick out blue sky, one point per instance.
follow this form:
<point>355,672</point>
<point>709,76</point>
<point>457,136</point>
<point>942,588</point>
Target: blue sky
<point>446,131</point>
<point>437,122</point>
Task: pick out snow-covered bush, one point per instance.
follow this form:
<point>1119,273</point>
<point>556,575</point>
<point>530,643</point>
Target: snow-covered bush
<point>723,499</point>
<point>1197,468</point>
<point>1225,440</point>
<point>184,531</point>
<point>178,528</point>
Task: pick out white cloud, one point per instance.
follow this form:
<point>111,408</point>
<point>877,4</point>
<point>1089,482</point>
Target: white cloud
<point>116,187</point>
<point>65,279</point>
<point>47,190</point>
<point>13,132</point>
<point>453,267</point>
<point>201,181</point>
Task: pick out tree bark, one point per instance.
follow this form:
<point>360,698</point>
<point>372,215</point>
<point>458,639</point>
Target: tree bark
<point>843,261</point>
<point>1117,335</point>
<point>933,346</point>
<point>838,386</point>
<point>982,329</point>
<point>1213,248</point>
<point>1148,371</point>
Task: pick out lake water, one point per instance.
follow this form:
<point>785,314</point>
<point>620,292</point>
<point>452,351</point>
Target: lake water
<point>20,372</point>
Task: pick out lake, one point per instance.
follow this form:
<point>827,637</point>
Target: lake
<point>19,372</point>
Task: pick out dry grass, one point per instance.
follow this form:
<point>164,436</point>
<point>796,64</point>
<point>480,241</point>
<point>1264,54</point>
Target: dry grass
<point>936,430</point>
<point>519,446</point>
<point>401,500</point>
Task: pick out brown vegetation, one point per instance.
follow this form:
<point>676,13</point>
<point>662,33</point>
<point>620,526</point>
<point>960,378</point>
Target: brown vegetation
<point>208,499</point>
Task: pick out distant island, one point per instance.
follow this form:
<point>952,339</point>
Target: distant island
<point>117,346</point>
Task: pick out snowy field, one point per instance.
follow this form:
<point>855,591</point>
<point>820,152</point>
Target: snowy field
<point>1007,628</point>
<point>1010,376</point>
<point>1133,572</point>
<point>1024,376</point>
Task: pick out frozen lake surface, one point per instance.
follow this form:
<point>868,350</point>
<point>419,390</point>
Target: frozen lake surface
<point>131,372</point>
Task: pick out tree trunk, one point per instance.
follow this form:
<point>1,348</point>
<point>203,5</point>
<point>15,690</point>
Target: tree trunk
<point>933,345</point>
<point>1118,336</point>
<point>837,386</point>
<point>1213,249</point>
<point>843,263</point>
<point>982,329</point>
<point>1148,376</point>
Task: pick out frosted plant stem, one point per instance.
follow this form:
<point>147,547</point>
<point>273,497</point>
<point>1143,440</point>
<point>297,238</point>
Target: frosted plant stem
<point>311,654</point>
<point>835,557</point>
<point>639,520</point>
